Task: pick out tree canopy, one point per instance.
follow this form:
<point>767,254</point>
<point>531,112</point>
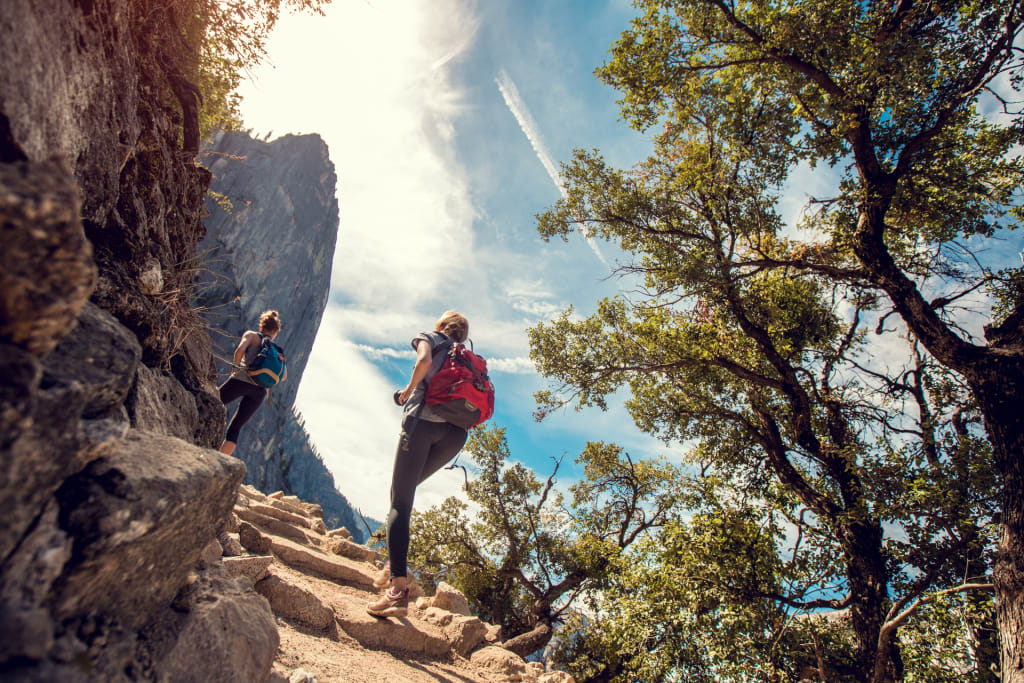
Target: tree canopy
<point>767,348</point>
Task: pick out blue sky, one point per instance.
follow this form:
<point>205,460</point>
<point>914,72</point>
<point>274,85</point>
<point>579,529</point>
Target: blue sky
<point>446,121</point>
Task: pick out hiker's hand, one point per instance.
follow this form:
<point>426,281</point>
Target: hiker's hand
<point>404,396</point>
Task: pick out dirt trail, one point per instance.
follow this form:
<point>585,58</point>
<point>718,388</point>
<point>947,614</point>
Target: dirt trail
<point>318,584</point>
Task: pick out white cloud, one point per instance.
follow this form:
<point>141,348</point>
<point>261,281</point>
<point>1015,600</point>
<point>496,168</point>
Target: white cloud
<point>513,366</point>
<point>519,365</point>
<point>372,81</point>
<point>347,405</point>
<point>531,297</point>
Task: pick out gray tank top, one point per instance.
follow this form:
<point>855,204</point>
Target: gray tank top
<point>250,356</point>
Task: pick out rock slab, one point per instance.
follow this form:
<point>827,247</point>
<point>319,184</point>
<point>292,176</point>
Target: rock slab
<point>141,518</point>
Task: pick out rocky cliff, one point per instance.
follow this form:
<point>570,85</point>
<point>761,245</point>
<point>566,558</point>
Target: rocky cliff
<point>109,490</point>
<point>270,243</point>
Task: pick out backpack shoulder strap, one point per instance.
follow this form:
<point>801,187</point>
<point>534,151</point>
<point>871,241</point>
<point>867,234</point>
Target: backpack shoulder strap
<point>444,346</point>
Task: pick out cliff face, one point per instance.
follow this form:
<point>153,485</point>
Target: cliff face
<point>269,244</point>
<point>107,392</point>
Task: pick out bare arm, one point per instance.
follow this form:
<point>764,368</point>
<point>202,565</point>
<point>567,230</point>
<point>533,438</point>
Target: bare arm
<point>419,370</point>
<point>248,339</point>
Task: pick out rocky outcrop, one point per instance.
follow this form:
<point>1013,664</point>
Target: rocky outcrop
<point>112,501</point>
<point>270,243</point>
<point>87,86</point>
<point>46,266</point>
<point>108,530</point>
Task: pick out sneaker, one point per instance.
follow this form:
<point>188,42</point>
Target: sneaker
<point>383,577</point>
<point>390,605</point>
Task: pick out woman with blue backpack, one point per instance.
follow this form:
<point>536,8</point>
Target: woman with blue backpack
<point>259,364</point>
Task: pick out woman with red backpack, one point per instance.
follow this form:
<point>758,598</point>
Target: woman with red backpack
<point>427,442</point>
<point>243,383</point>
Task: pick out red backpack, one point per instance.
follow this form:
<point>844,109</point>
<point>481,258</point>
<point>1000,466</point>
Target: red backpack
<point>461,392</point>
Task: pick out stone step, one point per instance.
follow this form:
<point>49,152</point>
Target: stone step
<point>288,506</point>
<point>334,567</point>
<point>254,567</point>
<point>403,633</point>
<point>283,515</point>
<point>345,547</point>
<point>251,493</point>
<point>277,527</point>
<point>291,599</point>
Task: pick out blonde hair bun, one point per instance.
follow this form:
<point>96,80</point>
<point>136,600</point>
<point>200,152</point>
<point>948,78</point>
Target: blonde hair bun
<point>454,325</point>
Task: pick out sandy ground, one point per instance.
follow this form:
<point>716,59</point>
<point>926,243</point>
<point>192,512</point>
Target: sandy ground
<point>332,655</point>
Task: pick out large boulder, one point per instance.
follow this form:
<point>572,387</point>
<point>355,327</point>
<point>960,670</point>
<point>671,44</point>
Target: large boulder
<point>26,628</point>
<point>500,661</point>
<point>39,442</point>
<point>228,636</point>
<point>59,414</point>
<point>140,518</point>
<point>464,633</point>
<point>101,355</point>
<point>450,598</point>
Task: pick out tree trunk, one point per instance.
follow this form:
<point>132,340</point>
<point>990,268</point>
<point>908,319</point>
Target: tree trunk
<point>999,391</point>
<point>869,582</point>
<point>531,641</point>
<point>995,374</point>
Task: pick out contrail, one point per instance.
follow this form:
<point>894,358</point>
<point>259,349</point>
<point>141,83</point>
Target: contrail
<point>529,127</point>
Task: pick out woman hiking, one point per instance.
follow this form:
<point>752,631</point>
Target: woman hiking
<point>240,384</point>
<point>426,444</point>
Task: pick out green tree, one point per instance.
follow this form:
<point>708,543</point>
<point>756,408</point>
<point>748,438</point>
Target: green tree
<point>689,605</point>
<point>528,556</point>
<point>234,42</point>
<point>768,368</point>
<point>207,46</point>
<point>886,93</point>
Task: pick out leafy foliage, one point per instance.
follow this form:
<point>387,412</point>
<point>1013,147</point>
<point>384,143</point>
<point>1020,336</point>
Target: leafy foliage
<point>528,554</point>
<point>756,346</point>
<point>233,40</point>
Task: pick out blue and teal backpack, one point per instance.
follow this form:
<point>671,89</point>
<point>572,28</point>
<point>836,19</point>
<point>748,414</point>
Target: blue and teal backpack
<point>269,366</point>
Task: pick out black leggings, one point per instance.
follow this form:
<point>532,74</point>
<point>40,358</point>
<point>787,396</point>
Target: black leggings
<point>419,455</point>
<point>251,395</point>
